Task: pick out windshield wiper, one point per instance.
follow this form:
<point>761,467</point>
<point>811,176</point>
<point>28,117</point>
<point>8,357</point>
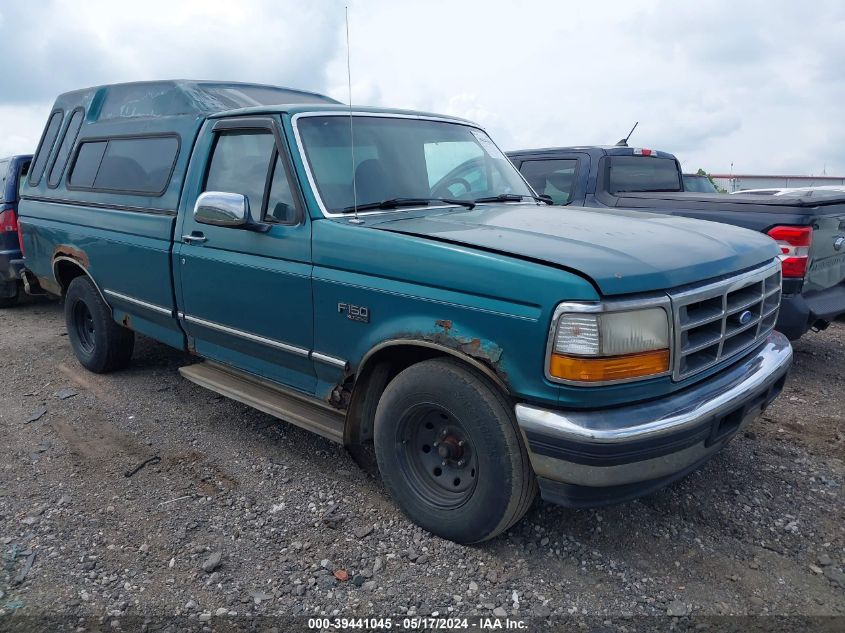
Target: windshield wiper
<point>512,197</point>
<point>395,203</point>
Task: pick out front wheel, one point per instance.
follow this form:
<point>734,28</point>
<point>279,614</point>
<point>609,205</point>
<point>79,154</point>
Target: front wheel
<point>100,344</point>
<point>450,454</point>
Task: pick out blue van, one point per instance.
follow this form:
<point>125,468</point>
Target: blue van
<point>13,169</point>
<point>330,269</point>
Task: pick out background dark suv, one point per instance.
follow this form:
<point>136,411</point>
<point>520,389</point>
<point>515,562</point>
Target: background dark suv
<point>12,169</point>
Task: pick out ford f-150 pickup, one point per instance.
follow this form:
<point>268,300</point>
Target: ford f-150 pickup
<point>329,268</point>
<point>809,229</point>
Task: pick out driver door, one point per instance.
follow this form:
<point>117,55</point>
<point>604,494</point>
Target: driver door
<point>244,293</point>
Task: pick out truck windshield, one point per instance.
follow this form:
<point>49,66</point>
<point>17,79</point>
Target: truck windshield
<point>642,173</point>
<point>402,159</point>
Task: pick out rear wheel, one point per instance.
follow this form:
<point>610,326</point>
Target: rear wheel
<point>450,453</point>
<point>100,344</point>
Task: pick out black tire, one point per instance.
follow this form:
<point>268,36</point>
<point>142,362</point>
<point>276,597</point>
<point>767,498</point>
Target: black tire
<point>8,302</point>
<point>464,502</point>
<point>100,344</point>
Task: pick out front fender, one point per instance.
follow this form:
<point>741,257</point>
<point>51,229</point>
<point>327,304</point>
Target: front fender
<point>510,347</point>
<point>492,308</point>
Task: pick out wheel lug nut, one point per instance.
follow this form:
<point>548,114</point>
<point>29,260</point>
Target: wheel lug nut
<point>436,444</point>
<point>443,463</point>
<point>461,464</point>
<point>461,443</point>
<point>444,433</point>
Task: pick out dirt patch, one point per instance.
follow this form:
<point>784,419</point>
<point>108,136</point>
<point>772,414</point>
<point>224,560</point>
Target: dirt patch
<point>207,478</point>
<point>94,441</point>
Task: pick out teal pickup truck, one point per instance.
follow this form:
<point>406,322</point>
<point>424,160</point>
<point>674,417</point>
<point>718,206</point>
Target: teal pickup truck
<point>330,269</point>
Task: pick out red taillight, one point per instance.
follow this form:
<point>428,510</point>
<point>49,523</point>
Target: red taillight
<point>794,242</point>
<point>9,224</point>
<point>8,221</point>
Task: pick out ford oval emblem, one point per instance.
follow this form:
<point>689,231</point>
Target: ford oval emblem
<point>745,317</point>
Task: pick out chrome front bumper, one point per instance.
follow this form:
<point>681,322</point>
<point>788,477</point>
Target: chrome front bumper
<point>593,457</point>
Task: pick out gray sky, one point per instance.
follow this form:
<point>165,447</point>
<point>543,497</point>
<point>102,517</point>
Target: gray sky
<point>757,84</point>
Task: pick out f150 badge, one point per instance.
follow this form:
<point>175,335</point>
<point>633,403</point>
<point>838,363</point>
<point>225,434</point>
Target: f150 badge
<point>354,313</point>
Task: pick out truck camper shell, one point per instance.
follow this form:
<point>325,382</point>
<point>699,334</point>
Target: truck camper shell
<point>162,117</point>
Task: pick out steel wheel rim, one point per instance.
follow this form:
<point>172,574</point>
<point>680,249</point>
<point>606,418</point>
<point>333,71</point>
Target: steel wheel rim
<point>83,323</point>
<point>437,456</point>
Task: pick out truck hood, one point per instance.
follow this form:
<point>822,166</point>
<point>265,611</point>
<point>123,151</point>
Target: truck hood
<point>621,251</point>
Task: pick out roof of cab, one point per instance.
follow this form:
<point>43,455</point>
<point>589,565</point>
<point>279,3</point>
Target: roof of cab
<point>180,97</point>
<point>334,106</point>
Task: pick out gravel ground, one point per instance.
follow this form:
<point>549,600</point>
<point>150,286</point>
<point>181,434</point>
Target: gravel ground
<point>242,515</point>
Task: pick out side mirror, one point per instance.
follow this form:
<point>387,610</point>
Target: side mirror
<point>219,208</point>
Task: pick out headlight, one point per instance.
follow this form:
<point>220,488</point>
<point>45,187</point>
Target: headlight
<point>609,346</point>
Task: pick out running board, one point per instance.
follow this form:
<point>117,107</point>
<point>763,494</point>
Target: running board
<point>298,409</point>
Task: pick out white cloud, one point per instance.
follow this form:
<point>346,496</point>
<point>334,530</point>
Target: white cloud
<point>757,83</point>
<point>20,127</point>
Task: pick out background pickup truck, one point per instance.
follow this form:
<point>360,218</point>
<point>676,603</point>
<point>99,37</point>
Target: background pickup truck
<point>809,230</point>
<point>481,343</point>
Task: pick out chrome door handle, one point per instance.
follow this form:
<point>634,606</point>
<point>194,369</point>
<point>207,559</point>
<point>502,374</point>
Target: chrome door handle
<point>191,238</point>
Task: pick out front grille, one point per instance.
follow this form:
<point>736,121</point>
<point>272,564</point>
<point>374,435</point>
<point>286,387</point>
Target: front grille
<point>719,320</point>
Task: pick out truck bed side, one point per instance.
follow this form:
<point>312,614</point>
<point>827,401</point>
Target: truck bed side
<point>826,268</point>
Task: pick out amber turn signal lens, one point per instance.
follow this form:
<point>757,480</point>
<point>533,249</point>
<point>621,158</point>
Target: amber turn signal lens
<point>611,368</point>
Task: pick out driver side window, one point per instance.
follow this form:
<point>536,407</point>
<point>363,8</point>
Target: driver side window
<point>240,164</point>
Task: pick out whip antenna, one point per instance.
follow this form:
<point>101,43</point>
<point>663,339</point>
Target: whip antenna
<point>351,132</point>
<point>624,141</point>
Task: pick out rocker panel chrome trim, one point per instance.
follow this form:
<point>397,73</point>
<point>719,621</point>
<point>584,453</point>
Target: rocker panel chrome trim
<point>287,347</point>
<point>139,302</point>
